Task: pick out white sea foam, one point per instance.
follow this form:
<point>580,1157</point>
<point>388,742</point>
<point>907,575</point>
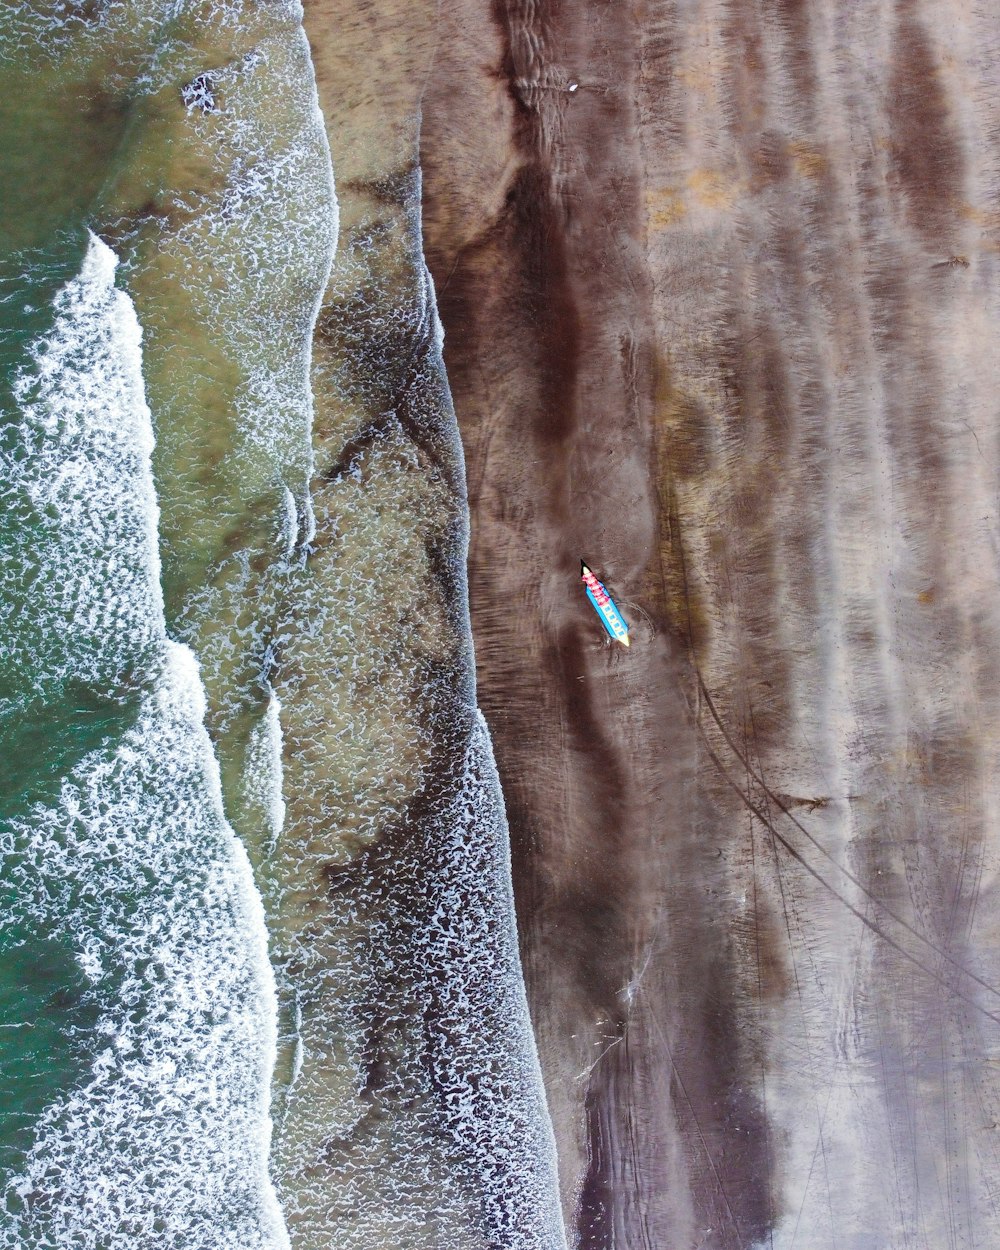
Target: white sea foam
<point>487,1070</point>
<point>76,470</point>
<point>272,231</point>
<point>407,972</point>
<point>264,770</point>
<point>490,1074</point>
<point>53,28</point>
<point>165,1140</point>
<point>289,524</point>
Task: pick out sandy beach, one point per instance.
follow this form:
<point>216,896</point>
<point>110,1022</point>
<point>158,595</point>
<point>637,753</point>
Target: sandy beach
<point>715,284</point>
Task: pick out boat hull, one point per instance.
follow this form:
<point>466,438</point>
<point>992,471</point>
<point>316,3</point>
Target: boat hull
<point>612,620</point>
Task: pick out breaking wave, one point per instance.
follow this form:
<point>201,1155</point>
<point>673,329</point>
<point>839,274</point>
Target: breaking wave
<point>131,863</point>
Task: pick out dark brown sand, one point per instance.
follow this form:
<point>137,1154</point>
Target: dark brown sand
<point>721,320</point>
<point>627,946</point>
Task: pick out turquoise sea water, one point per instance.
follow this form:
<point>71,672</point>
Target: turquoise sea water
<point>129,901</point>
<point>137,1004</point>
<point>48,722</point>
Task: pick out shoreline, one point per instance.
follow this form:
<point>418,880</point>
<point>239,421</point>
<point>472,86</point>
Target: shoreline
<point>720,288</point>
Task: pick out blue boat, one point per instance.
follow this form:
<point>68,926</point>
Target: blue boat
<point>604,606</point>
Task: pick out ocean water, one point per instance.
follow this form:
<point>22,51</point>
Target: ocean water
<point>259,982</point>
<point>121,874</point>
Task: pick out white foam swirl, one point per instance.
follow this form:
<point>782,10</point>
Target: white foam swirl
<point>166,1139</point>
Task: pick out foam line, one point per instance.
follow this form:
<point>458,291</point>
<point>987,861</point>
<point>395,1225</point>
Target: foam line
<point>133,864</point>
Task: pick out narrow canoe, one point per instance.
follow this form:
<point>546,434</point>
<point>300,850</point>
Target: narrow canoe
<point>604,606</point>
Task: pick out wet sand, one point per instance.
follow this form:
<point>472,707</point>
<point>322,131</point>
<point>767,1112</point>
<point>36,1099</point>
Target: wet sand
<point>410,1106</point>
<point>719,320</point>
